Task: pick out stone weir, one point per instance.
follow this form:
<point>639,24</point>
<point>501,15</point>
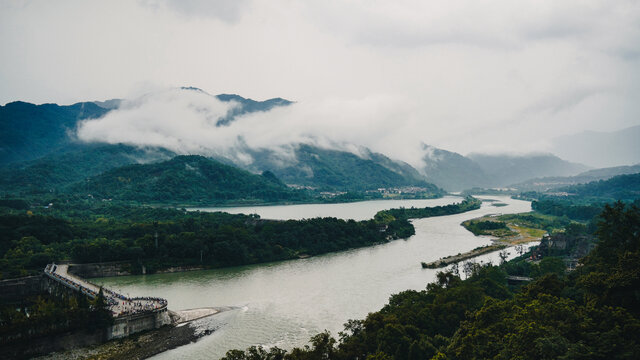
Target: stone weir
<point>131,315</point>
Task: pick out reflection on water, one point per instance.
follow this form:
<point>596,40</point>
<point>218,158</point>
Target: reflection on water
<point>285,303</point>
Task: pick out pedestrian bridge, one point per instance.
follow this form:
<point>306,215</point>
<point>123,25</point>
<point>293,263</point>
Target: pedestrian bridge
<point>118,304</point>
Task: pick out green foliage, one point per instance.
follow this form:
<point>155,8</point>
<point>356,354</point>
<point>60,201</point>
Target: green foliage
<point>480,227</point>
<point>537,221</point>
<point>41,316</point>
<point>186,179</point>
<point>58,170</point>
<point>563,207</point>
<point>116,232</point>
<point>621,187</point>
<point>29,131</point>
<point>340,170</point>
<point>467,204</point>
<point>585,201</point>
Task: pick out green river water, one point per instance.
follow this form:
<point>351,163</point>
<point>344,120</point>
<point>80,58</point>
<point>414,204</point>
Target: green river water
<point>284,304</point>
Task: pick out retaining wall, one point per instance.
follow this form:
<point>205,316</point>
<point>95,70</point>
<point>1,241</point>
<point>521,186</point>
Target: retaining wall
<point>20,288</point>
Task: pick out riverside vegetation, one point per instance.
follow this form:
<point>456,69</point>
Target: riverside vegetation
<point>591,312</point>
<point>124,233</point>
<point>160,238</point>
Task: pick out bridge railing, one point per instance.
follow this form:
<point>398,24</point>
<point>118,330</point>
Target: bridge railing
<point>141,304</point>
<point>50,272</point>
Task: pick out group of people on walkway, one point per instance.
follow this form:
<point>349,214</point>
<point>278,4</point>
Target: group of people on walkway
<point>118,304</point>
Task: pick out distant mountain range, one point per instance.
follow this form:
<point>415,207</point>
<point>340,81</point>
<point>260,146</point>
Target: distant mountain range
<point>600,149</point>
<point>39,152</point>
<point>455,172</point>
<point>452,171</point>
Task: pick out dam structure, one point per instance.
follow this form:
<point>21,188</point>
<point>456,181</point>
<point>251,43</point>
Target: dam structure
<point>130,314</point>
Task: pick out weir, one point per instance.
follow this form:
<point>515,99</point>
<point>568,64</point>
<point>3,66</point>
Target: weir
<point>131,315</point>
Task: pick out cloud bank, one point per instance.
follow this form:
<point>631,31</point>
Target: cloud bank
<point>184,121</point>
<point>466,76</point>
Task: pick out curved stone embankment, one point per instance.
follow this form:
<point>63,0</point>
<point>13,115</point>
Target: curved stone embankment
<point>446,261</point>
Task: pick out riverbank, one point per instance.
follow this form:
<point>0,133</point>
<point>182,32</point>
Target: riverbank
<point>446,261</point>
<point>284,303</point>
<point>507,230</point>
<point>190,326</point>
<point>340,199</point>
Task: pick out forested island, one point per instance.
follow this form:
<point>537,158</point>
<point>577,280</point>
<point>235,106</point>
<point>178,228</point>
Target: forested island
<point>157,238</point>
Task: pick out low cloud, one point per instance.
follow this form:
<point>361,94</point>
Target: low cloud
<point>184,121</point>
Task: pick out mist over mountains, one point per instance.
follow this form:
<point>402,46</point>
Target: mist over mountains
<point>51,145</point>
<point>601,149</point>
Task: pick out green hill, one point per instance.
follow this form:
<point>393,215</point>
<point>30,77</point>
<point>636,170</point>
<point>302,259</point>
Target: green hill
<point>29,131</point>
<point>552,182</point>
<point>186,179</point>
<point>341,170</point>
<point>55,171</point>
<point>622,187</point>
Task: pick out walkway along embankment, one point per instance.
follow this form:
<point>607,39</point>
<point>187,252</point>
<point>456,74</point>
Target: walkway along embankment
<point>131,315</point>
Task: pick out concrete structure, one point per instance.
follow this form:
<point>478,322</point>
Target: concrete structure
<point>131,315</point>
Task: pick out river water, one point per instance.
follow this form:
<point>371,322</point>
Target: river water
<point>285,303</point>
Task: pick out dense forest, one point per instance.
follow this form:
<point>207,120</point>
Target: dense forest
<point>159,238</point>
<point>192,179</point>
<point>468,204</point>
<point>40,316</point>
<point>583,202</point>
<point>589,313</point>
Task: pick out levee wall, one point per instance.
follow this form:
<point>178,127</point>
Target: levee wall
<point>130,324</point>
<point>20,288</point>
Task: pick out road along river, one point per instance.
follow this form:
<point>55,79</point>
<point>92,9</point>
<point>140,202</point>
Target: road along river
<point>285,303</point>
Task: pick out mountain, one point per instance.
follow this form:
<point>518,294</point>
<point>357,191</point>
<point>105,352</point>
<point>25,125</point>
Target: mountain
<point>455,172</point>
<point>188,178</point>
<point>57,170</point>
<point>452,171</point>
<point>29,131</point>
<point>600,149</point>
<point>40,153</point>
<point>246,105</point>
<point>504,170</point>
<point>548,183</point>
<point>339,170</point>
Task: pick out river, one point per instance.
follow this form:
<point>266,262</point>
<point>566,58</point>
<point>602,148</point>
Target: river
<point>285,303</point>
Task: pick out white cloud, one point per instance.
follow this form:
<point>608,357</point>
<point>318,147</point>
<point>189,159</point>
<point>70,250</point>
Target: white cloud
<point>465,75</point>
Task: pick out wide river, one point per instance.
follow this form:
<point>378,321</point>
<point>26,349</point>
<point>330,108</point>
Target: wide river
<point>285,303</point>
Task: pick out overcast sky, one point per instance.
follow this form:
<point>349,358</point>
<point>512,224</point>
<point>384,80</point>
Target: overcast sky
<point>462,75</point>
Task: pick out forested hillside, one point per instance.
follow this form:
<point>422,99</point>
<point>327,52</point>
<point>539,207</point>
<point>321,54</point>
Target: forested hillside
<point>56,171</point>
<point>29,131</point>
<point>192,179</point>
<point>341,170</point>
